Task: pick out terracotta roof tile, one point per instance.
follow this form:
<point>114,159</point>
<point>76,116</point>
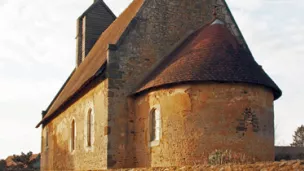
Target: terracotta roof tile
<point>95,59</point>
<point>210,54</point>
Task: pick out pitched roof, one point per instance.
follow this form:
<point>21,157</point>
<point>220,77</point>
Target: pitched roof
<point>210,54</point>
<point>94,5</point>
<point>95,59</point>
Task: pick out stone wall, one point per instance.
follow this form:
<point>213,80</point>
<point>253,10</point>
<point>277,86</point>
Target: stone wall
<point>58,155</point>
<point>157,27</point>
<point>198,119</point>
<point>269,166</point>
<point>289,153</point>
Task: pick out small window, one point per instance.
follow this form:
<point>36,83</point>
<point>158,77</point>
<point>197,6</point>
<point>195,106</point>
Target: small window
<point>73,135</point>
<point>89,128</point>
<point>155,126</point>
<point>47,138</point>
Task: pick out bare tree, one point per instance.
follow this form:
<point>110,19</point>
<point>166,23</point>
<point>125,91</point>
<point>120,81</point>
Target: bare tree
<point>298,137</point>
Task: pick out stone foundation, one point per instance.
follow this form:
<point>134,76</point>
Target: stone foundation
<point>283,166</point>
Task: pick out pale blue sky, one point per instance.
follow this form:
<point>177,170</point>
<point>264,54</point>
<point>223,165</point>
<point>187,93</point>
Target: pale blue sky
<point>37,53</point>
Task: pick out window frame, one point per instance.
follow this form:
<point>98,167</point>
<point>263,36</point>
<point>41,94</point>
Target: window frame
<point>47,138</point>
<point>155,115</point>
<point>73,136</point>
<point>89,109</point>
<point>89,128</point>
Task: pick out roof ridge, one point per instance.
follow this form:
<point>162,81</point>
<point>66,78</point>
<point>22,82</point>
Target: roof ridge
<point>94,5</point>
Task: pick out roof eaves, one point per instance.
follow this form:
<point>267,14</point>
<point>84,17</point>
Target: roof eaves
<point>59,91</point>
<point>276,92</point>
<point>97,74</point>
<point>121,23</point>
<point>160,78</point>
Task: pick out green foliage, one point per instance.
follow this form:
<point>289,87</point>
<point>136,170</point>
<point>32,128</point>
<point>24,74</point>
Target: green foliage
<point>22,162</point>
<point>23,158</point>
<point>219,157</point>
<point>298,137</point>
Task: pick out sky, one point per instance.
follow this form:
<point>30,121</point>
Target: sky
<point>37,54</point>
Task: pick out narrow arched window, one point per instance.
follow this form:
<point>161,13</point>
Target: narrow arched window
<point>73,135</point>
<point>47,138</point>
<point>155,125</point>
<point>89,128</point>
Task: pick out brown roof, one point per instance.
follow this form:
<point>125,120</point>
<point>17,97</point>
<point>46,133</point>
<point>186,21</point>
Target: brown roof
<point>95,59</point>
<point>210,54</point>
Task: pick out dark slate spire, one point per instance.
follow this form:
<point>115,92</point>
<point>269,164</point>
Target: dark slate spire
<point>90,25</point>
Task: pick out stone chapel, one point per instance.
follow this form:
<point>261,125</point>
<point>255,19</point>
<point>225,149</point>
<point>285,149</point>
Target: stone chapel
<point>166,83</point>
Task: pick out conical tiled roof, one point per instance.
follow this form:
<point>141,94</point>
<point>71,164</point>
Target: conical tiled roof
<point>210,54</point>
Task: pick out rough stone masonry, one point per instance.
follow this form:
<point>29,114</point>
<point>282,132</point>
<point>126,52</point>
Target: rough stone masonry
<point>173,56</point>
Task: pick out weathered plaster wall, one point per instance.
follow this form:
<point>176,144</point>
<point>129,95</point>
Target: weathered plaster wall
<point>58,155</point>
<point>198,119</point>
<point>158,26</point>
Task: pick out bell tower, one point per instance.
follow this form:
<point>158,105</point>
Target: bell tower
<point>90,25</point>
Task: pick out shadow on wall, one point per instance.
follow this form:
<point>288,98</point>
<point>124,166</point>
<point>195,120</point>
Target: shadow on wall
<point>57,157</point>
<point>289,153</point>
<point>64,158</point>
